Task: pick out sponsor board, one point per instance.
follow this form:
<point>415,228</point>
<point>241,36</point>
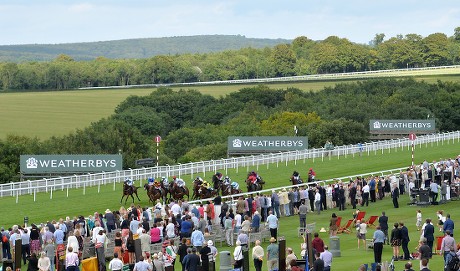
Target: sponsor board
<point>266,143</point>
<point>69,163</point>
<point>402,126</point>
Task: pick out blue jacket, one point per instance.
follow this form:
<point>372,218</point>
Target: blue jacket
<point>448,225</point>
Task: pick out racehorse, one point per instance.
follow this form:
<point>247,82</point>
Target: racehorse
<point>217,181</point>
<point>204,193</point>
<point>227,189</point>
<point>154,193</point>
<point>129,191</point>
<point>254,182</point>
<point>295,178</point>
<point>196,187</point>
<point>253,186</point>
<point>178,193</point>
<point>166,189</point>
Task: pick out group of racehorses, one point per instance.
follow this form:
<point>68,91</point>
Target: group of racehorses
<point>168,191</point>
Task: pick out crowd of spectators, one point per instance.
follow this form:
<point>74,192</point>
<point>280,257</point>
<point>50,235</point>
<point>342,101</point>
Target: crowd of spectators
<point>192,224</point>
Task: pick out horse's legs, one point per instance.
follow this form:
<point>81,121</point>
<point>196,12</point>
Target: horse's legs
<point>137,197</point>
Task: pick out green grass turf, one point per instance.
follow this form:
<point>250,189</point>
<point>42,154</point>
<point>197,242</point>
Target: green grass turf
<point>56,113</point>
<point>275,175</point>
<point>45,208</point>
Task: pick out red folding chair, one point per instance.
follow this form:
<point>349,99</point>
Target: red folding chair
<point>346,228</point>
<point>372,220</point>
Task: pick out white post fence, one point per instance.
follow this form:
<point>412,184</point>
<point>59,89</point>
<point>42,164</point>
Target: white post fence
<point>200,168</point>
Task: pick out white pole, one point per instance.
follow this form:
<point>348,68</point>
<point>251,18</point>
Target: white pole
<point>51,193</point>
<point>98,186</point>
<point>17,196</point>
<point>114,182</point>
<point>84,188</point>
<point>67,191</point>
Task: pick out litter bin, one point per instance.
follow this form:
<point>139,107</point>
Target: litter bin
<point>225,261</point>
<point>8,263</point>
<point>334,246</point>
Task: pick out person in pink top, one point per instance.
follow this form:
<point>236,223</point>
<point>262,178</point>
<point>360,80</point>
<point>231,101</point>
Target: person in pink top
<point>155,235</point>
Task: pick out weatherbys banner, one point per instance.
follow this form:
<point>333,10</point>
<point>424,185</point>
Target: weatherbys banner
<point>266,143</point>
<point>70,163</point>
<point>402,126</point>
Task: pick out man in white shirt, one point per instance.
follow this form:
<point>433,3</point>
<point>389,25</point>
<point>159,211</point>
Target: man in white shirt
<point>96,229</point>
<point>272,222</point>
<point>366,189</point>
<point>116,264</point>
<point>176,209</point>
<point>318,201</point>
<point>170,230</point>
<point>237,223</point>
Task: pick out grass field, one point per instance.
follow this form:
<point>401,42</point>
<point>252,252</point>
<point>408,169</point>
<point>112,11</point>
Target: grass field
<point>45,208</point>
<point>56,113</point>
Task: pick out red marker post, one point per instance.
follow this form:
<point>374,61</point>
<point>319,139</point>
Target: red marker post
<point>412,138</point>
<point>158,140</point>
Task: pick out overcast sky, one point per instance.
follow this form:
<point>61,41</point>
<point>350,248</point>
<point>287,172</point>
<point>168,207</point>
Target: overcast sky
<point>66,21</point>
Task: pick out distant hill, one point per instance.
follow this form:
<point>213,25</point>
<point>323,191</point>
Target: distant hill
<point>133,48</point>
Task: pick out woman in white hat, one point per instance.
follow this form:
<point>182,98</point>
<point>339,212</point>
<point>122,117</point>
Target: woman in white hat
<point>214,252</point>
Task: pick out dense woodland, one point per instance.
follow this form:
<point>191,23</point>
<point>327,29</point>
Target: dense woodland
<point>301,56</point>
<point>195,126</point>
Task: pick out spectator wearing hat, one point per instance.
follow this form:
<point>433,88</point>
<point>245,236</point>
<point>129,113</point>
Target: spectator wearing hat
<point>214,252</point>
<point>273,255</point>
<point>109,220</point>
<point>284,201</point>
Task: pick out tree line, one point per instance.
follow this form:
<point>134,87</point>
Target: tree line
<point>195,126</point>
<point>301,56</point>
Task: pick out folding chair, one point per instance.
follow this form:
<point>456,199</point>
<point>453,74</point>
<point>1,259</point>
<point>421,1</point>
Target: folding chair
<point>438,244</point>
<point>339,221</point>
<point>346,228</point>
<point>372,220</point>
<point>360,215</point>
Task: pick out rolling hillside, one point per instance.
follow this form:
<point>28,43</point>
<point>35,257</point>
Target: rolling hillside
<point>133,48</point>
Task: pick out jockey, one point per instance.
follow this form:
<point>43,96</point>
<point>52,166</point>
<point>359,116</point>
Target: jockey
<point>296,175</point>
<point>311,173</point>
<point>219,176</point>
<point>227,180</point>
<point>129,184</point>
<point>206,185</point>
<point>165,182</point>
<point>199,179</point>
<point>150,181</point>
<point>157,184</point>
<point>235,185</point>
<point>178,181</point>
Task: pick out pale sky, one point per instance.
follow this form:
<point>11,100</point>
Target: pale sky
<point>67,21</point>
